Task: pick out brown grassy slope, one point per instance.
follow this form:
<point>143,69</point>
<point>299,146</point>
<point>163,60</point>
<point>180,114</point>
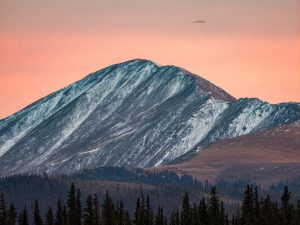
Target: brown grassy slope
<point>265,157</point>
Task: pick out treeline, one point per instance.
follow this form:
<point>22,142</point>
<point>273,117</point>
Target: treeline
<point>163,187</point>
<point>140,176</point>
<point>254,210</point>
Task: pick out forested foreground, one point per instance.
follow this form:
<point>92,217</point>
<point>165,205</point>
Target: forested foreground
<point>254,209</point>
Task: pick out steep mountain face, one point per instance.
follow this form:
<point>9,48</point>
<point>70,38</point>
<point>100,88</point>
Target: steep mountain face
<point>136,114</point>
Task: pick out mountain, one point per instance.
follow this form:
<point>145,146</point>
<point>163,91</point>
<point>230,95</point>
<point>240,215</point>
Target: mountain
<point>135,113</point>
<point>265,157</point>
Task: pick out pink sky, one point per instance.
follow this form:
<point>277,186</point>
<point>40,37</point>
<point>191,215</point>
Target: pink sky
<point>249,49</point>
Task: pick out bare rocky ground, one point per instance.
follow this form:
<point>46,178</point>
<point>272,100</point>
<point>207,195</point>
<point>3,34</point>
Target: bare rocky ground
<point>264,157</point>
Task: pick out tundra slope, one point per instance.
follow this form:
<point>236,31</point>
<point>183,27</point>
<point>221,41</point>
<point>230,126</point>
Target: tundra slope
<point>135,113</point>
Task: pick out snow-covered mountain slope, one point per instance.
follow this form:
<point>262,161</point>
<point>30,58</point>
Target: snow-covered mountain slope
<point>136,113</point>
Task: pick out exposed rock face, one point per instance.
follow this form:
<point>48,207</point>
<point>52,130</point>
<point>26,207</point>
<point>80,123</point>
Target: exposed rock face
<point>135,113</point>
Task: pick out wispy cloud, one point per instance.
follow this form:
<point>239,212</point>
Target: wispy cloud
<point>199,21</point>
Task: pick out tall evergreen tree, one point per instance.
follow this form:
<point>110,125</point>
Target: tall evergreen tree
<point>49,217</point>
<point>23,218</point>
<point>194,215</point>
<point>108,210</point>
<point>71,203</point>
<point>12,215</point>
<point>78,208</point>
<point>96,211</point>
<point>186,210</point>
<point>257,209</point>
<point>137,218</point>
<point>270,214</point>
<point>65,215</point>
<point>222,214</point>
<point>248,206</point>
<point>3,210</point>
<point>88,212</point>
<point>140,211</point>
<point>120,213</point>
<point>286,207</point>
<point>174,218</point>
<point>127,220</point>
<point>74,211</point>
<point>149,212</point>
<point>160,218</point>
<point>213,209</point>
<point>60,218</point>
<point>36,216</point>
<point>202,212</point>
<point>298,211</point>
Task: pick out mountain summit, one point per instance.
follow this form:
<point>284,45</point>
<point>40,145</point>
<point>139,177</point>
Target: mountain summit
<point>135,113</point>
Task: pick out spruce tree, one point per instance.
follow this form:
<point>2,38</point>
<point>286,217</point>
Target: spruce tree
<point>222,214</point>
<point>186,211</point>
<point>12,215</point>
<point>248,206</point>
<point>286,207</point>
<point>78,208</point>
<point>96,211</point>
<point>127,220</point>
<point>23,218</point>
<point>60,215</point>
<point>194,215</point>
<point>160,218</point>
<point>36,216</point>
<point>202,212</point>
<point>140,214</point>
<point>174,218</point>
<point>137,220</point>
<point>65,215</point>
<point>149,212</point>
<point>49,217</point>
<point>121,213</point>
<point>88,212</point>
<point>3,213</point>
<point>270,214</point>
<point>71,203</point>
<point>298,211</point>
<point>108,210</point>
<point>213,209</point>
<point>257,213</point>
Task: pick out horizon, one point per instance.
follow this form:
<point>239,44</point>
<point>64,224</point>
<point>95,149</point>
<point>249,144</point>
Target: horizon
<point>45,46</point>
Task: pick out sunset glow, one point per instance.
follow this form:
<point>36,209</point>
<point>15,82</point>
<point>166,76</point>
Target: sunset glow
<point>249,49</point>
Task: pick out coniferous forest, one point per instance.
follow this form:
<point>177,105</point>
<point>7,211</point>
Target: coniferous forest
<point>253,210</point>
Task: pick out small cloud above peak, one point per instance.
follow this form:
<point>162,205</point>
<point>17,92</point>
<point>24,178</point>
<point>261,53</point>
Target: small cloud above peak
<point>199,21</point>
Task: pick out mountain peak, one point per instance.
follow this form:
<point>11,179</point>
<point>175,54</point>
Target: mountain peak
<point>135,113</point>
<point>204,85</point>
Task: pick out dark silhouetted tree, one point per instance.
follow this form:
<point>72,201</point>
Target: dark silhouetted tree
<point>160,218</point>
<point>23,218</point>
<point>175,218</point>
<point>108,210</point>
<point>186,211</point>
<point>213,209</point>
<point>36,215</point>
<point>60,217</point>
<point>49,220</point>
<point>88,212</point>
<point>12,215</point>
<point>3,210</point>
<point>286,207</point>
